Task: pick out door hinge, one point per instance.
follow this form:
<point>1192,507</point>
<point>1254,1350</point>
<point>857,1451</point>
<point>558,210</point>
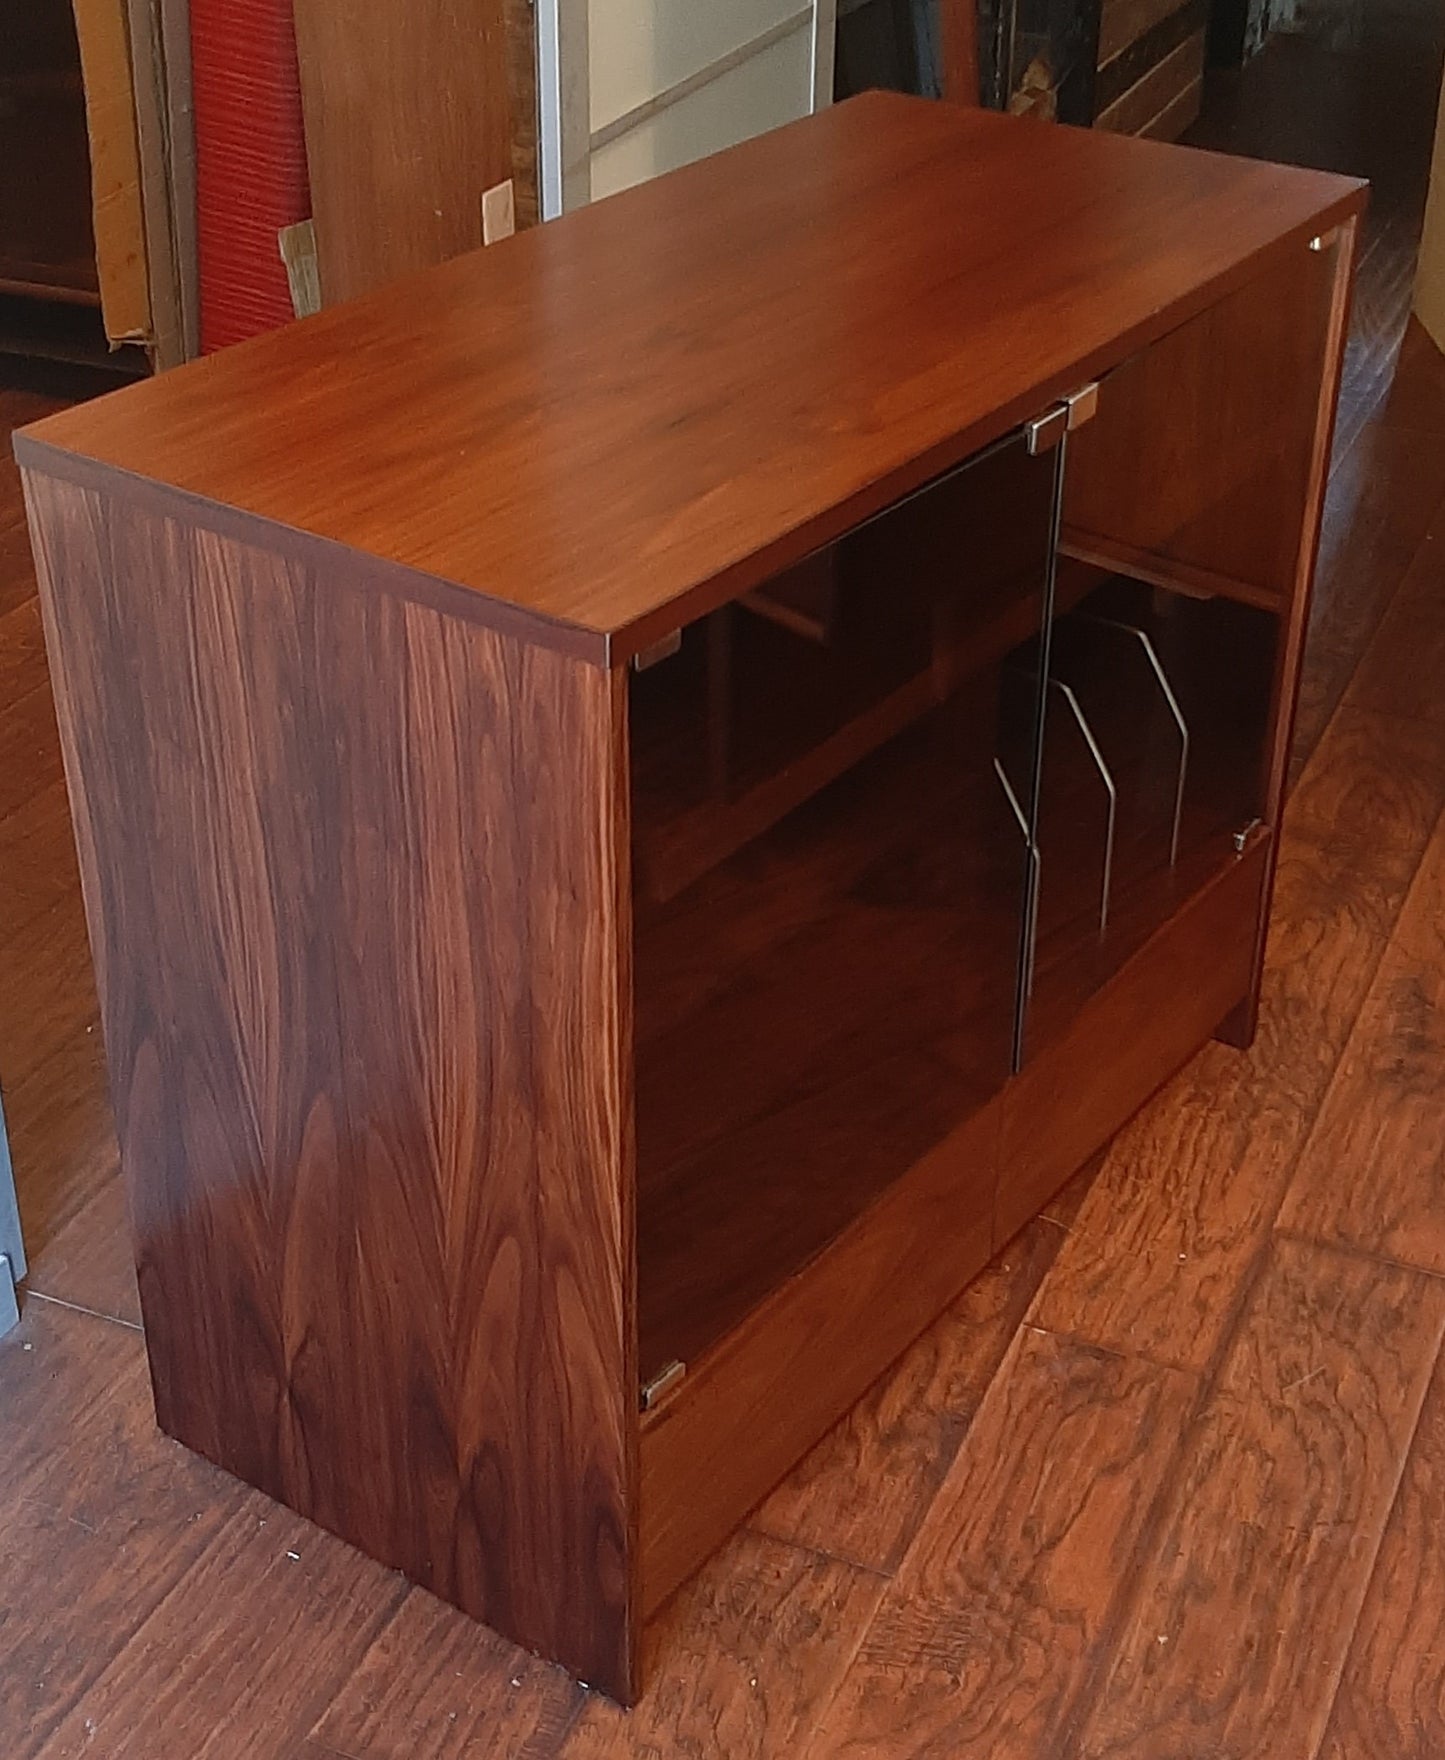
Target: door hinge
<point>1046,431</point>
<point>662,1383</point>
<point>656,652</point>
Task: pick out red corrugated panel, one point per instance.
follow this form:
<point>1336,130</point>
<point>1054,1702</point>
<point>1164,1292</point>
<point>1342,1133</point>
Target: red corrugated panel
<point>250,162</point>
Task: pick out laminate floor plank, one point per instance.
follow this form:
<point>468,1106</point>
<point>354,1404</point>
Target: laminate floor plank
<point>1373,1174</point>
<point>37,860</point>
<point>1242,1612</point>
<point>22,649</point>
<point>1383,495</point>
<point>102,1516</point>
<point>49,962</point>
<point>243,1653</point>
<point>862,1492</point>
<point>741,1662</point>
<point>434,1685</point>
<point>17,568</point>
<point>62,1134</point>
<point>1401,671</point>
<point>1391,1701</point>
<point>1004,1602</point>
<point>88,1263</point>
<point>29,746</point>
<point>1415,399</point>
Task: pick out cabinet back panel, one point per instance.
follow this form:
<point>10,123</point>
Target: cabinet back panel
<point>1200,454</point>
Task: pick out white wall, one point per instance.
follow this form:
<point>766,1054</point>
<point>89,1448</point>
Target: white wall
<point>631,88</point>
<point>771,86</point>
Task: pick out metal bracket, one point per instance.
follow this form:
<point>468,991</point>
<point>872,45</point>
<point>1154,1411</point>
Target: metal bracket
<point>1107,778</point>
<point>1083,404</point>
<point>1045,432</point>
<point>12,1247</point>
<point>662,1383</point>
<point>656,652</point>
<point>1161,678</point>
<point>1242,837</point>
<point>1031,895</point>
<point>9,1306</point>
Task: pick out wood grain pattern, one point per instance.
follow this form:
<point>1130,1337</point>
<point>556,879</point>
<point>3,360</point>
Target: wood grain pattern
<point>999,1609</point>
<point>1392,1695</point>
<point>1384,495</point>
<point>742,1662</point>
<point>1218,423</point>
<point>321,937</point>
<point>1179,114</point>
<point>409,118</point>
<point>519,24</point>
<point>88,1261</point>
<point>775,1384</point>
<point>960,52</point>
<point>27,749</point>
<point>37,854</point>
<point>1137,110</point>
<point>203,1644</point>
<point>1373,1173</point>
<point>1070,1099</point>
<point>1400,672</point>
<point>862,1492</point>
<point>83,1408</point>
<point>94,1547</point>
<point>1188,1193</point>
<point>570,454</point>
<point>1122,22</point>
<point>436,1686</point>
<point>1256,1577</point>
<point>390,1026</point>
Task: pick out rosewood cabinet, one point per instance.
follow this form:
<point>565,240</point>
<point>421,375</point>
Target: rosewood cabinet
<point>646,796</point>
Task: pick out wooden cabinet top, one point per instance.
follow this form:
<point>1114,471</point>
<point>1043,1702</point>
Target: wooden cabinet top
<point>605,426</point>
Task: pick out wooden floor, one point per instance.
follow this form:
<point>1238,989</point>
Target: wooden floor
<point>1166,1484</point>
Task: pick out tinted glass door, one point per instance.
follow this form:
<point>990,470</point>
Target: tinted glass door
<point>831,863</point>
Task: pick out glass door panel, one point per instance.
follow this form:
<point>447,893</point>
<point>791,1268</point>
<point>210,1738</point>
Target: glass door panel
<point>1153,767</point>
<point>830,883</point>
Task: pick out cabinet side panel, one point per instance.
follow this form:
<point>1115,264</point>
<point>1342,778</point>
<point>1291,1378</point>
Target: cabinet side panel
<point>352,875</point>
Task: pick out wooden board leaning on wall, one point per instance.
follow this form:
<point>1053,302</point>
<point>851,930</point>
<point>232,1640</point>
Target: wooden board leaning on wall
<point>1151,66</point>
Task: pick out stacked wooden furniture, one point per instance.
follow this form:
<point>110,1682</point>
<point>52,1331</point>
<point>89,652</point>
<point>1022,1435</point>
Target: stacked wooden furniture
<point>1151,66</point>
<point>647,795</point>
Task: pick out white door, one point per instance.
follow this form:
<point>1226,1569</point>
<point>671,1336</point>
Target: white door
<point>631,88</point>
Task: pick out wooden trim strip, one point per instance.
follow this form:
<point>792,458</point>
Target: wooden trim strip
<point>1296,623</point>
<point>1122,72</point>
<point>1163,571</point>
<point>1177,115</point>
<point>1149,97</point>
<point>308,549</point>
<point>1123,22</point>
